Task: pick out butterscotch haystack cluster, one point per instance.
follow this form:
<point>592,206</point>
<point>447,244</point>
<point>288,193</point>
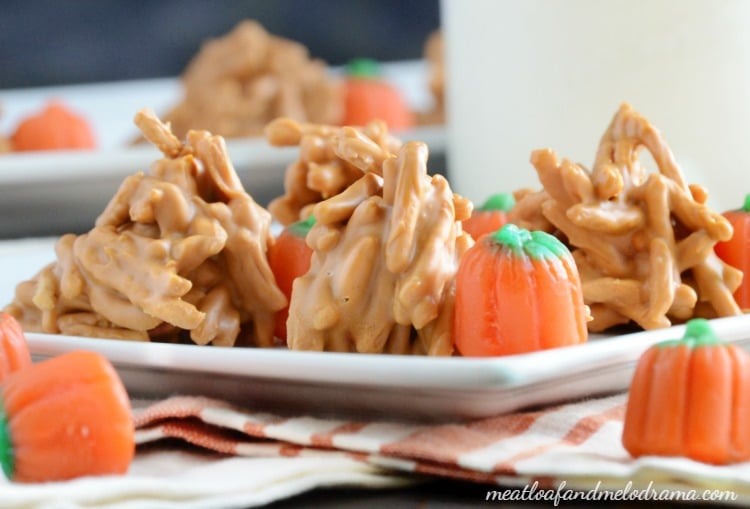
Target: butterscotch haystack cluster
<point>5,145</point>
<point>319,172</point>
<point>238,83</point>
<point>385,253</point>
<point>176,254</point>
<point>643,242</point>
<point>179,254</point>
<point>434,56</point>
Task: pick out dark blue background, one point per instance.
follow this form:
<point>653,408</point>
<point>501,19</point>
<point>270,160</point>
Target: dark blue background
<point>49,42</point>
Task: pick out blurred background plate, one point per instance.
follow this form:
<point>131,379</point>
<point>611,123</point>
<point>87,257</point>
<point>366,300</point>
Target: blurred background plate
<point>49,193</point>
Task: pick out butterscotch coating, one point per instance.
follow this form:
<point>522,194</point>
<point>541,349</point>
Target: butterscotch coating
<point>238,83</point>
<point>385,254</point>
<point>330,159</point>
<point>643,242</point>
<point>178,252</point>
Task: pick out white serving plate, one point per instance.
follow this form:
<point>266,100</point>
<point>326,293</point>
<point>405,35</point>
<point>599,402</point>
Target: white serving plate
<point>251,158</point>
<point>50,193</point>
<point>357,385</point>
<point>45,193</point>
<point>392,387</point>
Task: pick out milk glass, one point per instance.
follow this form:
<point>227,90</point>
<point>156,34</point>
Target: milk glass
<point>530,74</point>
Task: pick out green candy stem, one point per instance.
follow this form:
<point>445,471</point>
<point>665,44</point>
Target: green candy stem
<point>6,447</point>
<point>302,228</point>
<point>698,332</point>
<point>746,205</point>
<point>537,245</point>
<point>499,201</point>
<point>363,68</point>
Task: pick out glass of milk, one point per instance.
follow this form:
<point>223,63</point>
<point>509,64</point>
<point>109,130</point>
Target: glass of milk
<point>531,74</point>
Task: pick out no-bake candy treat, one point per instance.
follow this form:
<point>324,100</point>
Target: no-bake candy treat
<point>434,55</point>
<point>385,254</point>
<point>736,250</point>
<point>65,417</point>
<point>643,242</point>
<point>179,251</point>
<point>518,291</point>
<point>320,172</point>
<point>14,351</point>
<point>4,141</point>
<point>238,83</point>
<point>690,397</point>
<point>368,97</point>
<point>490,216</point>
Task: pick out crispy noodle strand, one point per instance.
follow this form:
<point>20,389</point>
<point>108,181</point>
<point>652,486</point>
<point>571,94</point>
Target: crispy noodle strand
<point>385,253</point>
<point>330,160</point>
<point>239,82</point>
<point>177,253</point>
<point>643,242</point>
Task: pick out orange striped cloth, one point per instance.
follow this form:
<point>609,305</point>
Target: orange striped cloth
<point>576,443</point>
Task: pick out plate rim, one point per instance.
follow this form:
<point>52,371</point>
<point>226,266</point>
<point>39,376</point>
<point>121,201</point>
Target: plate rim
<point>246,154</point>
<point>356,369</point>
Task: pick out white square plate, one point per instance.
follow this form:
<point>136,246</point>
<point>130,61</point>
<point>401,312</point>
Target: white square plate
<point>357,385</point>
<point>397,387</point>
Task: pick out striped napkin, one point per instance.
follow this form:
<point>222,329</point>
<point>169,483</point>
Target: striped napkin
<point>508,445</point>
<point>195,452</point>
<point>575,445</point>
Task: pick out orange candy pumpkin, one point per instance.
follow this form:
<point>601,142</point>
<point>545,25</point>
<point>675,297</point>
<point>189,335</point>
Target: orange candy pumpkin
<point>491,216</point>
<point>54,128</point>
<point>368,97</point>
<point>289,258</point>
<point>65,417</point>
<point>14,351</point>
<point>690,397</point>
<point>517,291</point>
<point>736,251</point>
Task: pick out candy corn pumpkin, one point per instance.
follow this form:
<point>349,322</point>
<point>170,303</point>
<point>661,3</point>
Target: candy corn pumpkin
<point>54,128</point>
<point>65,417</point>
<point>289,257</point>
<point>14,351</point>
<point>491,216</point>
<point>690,397</point>
<point>368,97</point>
<point>517,291</point>
<point>736,251</point>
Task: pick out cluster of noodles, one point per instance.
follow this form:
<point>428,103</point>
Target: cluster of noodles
<point>434,56</point>
<point>5,145</point>
<point>177,253</point>
<point>643,242</point>
<point>239,82</point>
<point>385,253</point>
<point>181,253</point>
<point>319,173</point>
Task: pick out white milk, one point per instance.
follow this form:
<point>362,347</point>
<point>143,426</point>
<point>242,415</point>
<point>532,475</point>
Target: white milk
<point>530,74</point>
